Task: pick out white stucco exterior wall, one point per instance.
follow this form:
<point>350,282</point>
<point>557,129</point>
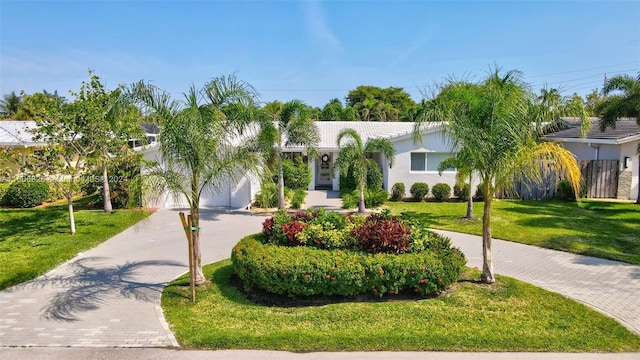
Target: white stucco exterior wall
<point>433,142</point>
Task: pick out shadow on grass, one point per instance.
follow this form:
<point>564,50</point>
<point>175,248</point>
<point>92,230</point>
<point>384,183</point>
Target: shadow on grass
<point>32,222</point>
<point>86,288</point>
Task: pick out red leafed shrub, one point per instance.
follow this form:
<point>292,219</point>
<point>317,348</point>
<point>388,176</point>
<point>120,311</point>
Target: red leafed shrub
<point>267,227</point>
<point>303,216</point>
<point>292,228</point>
<point>383,235</point>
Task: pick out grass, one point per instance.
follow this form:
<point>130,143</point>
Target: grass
<point>506,316</point>
<point>33,241</point>
<point>596,228</point>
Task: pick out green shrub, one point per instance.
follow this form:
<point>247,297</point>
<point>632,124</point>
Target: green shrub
<point>298,198</point>
<point>26,194</point>
<point>267,197</point>
<point>375,197</point>
<point>374,178</point>
<point>462,191</point>
<point>296,271</point>
<point>419,190</point>
<point>397,192</point>
<point>56,192</point>
<point>565,191</point>
<point>441,191</point>
<point>350,199</point>
<point>3,190</point>
<point>296,173</point>
<point>124,184</point>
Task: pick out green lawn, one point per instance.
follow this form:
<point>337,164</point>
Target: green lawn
<point>33,241</point>
<point>506,316</point>
<point>597,228</point>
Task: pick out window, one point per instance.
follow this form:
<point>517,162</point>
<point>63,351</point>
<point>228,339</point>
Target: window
<point>418,161</point>
<point>428,161</point>
<point>434,160</point>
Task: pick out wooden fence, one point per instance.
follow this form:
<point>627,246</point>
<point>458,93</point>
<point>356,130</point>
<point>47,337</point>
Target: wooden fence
<point>600,178</point>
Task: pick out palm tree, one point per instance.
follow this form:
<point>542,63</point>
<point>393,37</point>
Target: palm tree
<point>356,154</point>
<point>201,143</point>
<point>10,104</point>
<point>285,125</point>
<point>495,124</point>
<point>622,100</point>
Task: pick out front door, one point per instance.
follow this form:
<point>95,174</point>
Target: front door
<point>323,170</point>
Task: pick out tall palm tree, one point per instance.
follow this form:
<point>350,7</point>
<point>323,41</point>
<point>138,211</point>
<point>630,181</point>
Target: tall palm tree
<point>284,125</point>
<point>356,154</point>
<point>496,125</point>
<point>622,100</point>
<point>10,104</point>
<point>201,142</point>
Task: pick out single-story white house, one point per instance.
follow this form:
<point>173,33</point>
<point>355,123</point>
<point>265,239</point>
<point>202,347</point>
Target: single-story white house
<point>414,161</point>
<point>620,144</point>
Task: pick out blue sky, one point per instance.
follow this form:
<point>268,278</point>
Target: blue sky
<point>314,51</point>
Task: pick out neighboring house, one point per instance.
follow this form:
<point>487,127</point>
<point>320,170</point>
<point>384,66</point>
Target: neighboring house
<point>18,136</point>
<point>617,146</point>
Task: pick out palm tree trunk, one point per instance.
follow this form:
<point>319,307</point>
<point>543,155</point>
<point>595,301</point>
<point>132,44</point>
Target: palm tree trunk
<point>72,220</point>
<point>106,193</point>
<point>361,207</point>
<point>487,260</point>
<point>199,278</point>
<point>470,200</point>
<point>281,204</point>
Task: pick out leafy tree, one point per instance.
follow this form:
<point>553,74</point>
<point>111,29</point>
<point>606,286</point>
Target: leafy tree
<point>62,125</point>
<point>10,105</point>
<point>356,154</point>
<point>594,99</point>
<point>622,100</point>
<point>497,127</point>
<point>201,145</point>
<point>333,111</point>
<point>110,120</point>
<point>374,103</point>
<point>286,125</point>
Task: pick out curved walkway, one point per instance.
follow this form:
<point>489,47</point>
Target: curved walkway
<point>109,296</point>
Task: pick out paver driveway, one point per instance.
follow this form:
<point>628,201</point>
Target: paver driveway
<point>110,295</point>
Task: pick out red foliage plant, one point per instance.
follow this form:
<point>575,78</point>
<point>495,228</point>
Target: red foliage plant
<point>382,235</point>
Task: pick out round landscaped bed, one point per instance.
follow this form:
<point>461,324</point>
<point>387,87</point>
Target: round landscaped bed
<point>330,254</point>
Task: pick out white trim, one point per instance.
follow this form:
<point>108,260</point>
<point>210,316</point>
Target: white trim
<point>596,141</point>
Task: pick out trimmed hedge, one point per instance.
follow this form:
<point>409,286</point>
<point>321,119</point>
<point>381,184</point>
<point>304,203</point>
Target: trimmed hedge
<point>295,271</point>
<point>3,190</point>
<point>397,191</point>
<point>419,190</point>
<point>441,191</point>
<point>26,194</point>
<point>462,191</point>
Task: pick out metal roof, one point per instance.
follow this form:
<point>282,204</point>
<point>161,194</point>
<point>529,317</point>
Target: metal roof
<point>18,134</point>
<point>626,130</point>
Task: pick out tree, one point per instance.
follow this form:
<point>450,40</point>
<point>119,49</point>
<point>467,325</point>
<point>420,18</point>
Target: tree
<point>204,143</point>
<point>111,120</point>
<point>497,127</point>
<point>333,111</point>
<point>63,127</point>
<point>400,104</point>
<point>622,99</point>
<point>10,105</point>
<point>285,125</point>
<point>356,154</point>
